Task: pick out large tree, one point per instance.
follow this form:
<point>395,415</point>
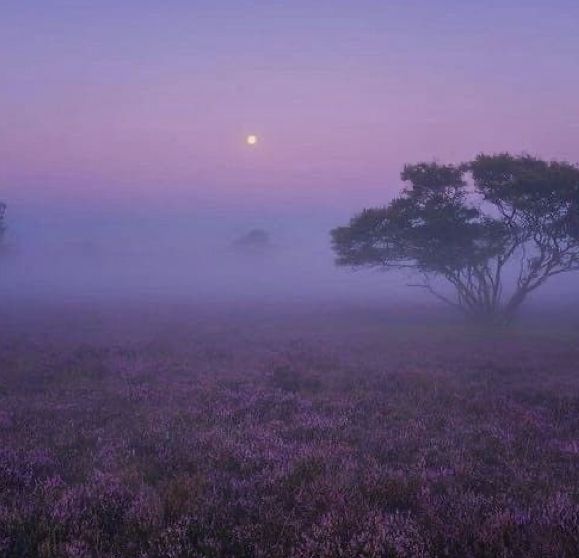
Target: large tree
<point>495,229</point>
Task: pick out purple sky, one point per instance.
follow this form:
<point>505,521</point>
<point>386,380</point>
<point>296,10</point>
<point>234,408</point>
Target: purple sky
<point>140,104</point>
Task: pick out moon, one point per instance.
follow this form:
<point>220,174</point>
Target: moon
<point>251,139</point>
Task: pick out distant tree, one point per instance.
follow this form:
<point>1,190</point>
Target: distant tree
<point>255,239</point>
<point>517,218</point>
<point>2,219</point>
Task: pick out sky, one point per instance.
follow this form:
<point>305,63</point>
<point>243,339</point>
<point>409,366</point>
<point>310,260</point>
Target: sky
<point>142,104</point>
<point>118,117</point>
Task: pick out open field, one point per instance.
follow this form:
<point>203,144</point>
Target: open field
<point>185,432</point>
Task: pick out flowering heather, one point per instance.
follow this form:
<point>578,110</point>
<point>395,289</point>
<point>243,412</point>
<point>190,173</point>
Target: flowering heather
<point>226,438</point>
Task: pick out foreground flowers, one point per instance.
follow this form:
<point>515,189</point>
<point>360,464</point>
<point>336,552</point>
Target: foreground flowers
<point>316,448</point>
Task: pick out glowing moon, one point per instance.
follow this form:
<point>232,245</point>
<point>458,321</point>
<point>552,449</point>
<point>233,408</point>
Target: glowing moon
<point>251,139</point>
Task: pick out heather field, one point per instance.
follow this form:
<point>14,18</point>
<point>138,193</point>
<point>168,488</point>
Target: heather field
<point>182,432</point>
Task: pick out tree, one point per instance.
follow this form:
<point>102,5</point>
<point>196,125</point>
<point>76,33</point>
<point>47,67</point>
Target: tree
<point>2,217</point>
<point>255,240</point>
<point>476,225</point>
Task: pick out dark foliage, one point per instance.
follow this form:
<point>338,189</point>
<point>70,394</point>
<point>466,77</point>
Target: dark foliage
<point>520,216</point>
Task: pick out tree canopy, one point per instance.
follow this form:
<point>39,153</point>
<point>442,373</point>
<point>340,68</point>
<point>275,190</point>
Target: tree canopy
<point>474,225</point>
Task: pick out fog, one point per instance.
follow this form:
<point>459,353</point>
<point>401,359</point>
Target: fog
<point>197,256</point>
<point>202,256</point>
